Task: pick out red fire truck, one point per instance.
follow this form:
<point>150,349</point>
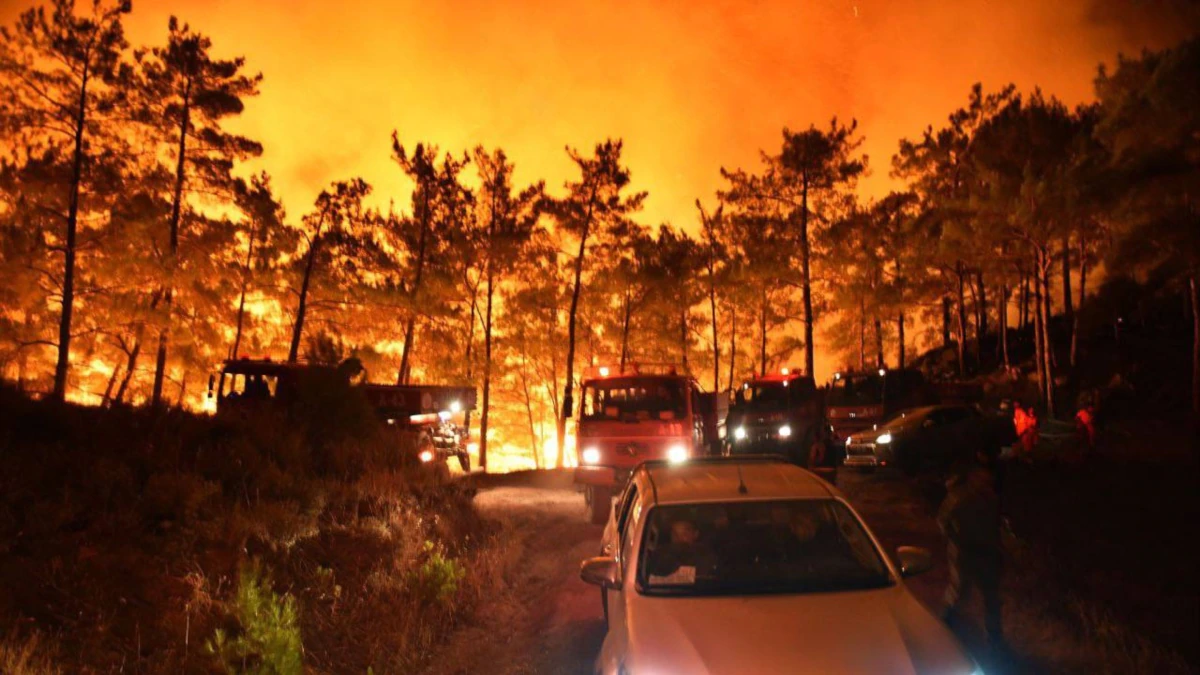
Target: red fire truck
<point>857,400</point>
<point>639,412</point>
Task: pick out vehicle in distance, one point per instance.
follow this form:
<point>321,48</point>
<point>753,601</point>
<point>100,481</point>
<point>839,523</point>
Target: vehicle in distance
<point>858,401</point>
<point>428,422</point>
<point>635,413</point>
<point>783,413</point>
<point>911,440</point>
<point>755,565</point>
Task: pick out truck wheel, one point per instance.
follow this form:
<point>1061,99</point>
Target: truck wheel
<point>600,505</point>
<point>464,461</point>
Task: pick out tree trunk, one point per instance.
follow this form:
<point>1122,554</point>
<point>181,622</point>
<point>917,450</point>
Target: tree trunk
<point>879,360</point>
<point>411,321</point>
<point>625,329</point>
<point>1048,301</point>
<point>683,337</point>
<point>302,307</point>
<point>1083,270</point>
<point>900,339</point>
<point>487,369</point>
<point>160,361</point>
<point>981,323</point>
<point>945,321</point>
<point>1195,347</point>
<point>63,364</point>
<point>716,343</point>
<point>1068,303</point>
<point>805,268</point>
<point>112,380</point>
<point>241,313</point>
<point>1048,349</point>
<point>862,334</point>
<point>130,365</point>
<point>1038,328</point>
<point>732,343</point>
<point>1002,319</point>
<point>762,332</point>
<point>962,322</point>
<point>1023,300</point>
<point>569,386</point>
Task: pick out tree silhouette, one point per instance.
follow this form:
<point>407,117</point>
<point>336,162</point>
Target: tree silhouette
<point>62,74</point>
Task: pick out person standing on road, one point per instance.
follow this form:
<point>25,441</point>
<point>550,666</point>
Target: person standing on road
<point>970,519</point>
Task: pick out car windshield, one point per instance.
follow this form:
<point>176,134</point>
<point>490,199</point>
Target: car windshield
<point>784,546</point>
<point>634,399</point>
<point>857,390</point>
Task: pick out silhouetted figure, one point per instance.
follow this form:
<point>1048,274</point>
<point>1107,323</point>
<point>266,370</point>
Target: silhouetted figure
<point>970,518</point>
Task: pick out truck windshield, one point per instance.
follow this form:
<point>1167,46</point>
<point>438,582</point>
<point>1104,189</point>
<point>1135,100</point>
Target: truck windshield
<point>634,399</point>
<point>857,390</point>
<point>783,546</point>
<point>768,396</point>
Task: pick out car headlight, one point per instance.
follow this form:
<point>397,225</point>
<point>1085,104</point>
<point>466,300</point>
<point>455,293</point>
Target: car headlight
<point>739,433</point>
<point>884,438</point>
<point>591,455</point>
<point>677,453</point>
<point>785,431</point>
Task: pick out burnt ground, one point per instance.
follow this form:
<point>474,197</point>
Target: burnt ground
<point>548,621</point>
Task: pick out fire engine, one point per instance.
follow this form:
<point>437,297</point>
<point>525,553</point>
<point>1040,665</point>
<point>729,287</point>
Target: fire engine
<point>783,413</point>
<point>857,401</point>
<point>429,419</point>
<point>639,412</point>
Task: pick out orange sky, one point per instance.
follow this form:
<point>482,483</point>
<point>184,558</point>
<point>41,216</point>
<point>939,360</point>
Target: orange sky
<point>690,86</point>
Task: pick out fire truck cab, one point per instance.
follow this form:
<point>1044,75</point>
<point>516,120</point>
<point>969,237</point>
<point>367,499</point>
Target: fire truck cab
<point>783,413</point>
<point>858,400</point>
<point>637,413</point>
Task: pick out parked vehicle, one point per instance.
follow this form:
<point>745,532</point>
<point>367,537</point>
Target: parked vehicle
<point>639,412</point>
<point>858,401</point>
<point>930,437</point>
<point>755,565</point>
<point>783,413</point>
<point>427,420</point>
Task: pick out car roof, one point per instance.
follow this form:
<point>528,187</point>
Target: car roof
<point>718,479</point>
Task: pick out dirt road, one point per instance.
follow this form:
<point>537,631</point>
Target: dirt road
<point>548,621</point>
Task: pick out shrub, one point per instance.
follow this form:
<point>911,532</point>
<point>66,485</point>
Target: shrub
<point>269,641</point>
<point>177,496</point>
<point>438,577</point>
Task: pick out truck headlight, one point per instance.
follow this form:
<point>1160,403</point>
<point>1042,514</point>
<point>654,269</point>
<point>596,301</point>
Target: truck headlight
<point>426,456</point>
<point>591,455</point>
<point>884,438</point>
<point>739,434</point>
<point>785,431</point>
<point>677,453</point>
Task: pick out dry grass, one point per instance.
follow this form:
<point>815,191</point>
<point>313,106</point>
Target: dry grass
<point>26,655</point>
<point>122,534</point>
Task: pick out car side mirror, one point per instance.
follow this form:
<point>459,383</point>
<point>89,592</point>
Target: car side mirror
<point>603,571</point>
<point>913,560</point>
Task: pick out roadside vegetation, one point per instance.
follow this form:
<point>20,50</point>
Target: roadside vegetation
<point>166,542</point>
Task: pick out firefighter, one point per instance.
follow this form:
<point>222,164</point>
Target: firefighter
<point>1085,425</point>
<point>970,519</point>
<point>1026,423</point>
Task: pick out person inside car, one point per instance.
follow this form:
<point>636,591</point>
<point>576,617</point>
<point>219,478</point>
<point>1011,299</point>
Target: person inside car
<point>685,550</point>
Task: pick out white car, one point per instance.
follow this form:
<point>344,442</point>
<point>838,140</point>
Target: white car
<point>754,565</point>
